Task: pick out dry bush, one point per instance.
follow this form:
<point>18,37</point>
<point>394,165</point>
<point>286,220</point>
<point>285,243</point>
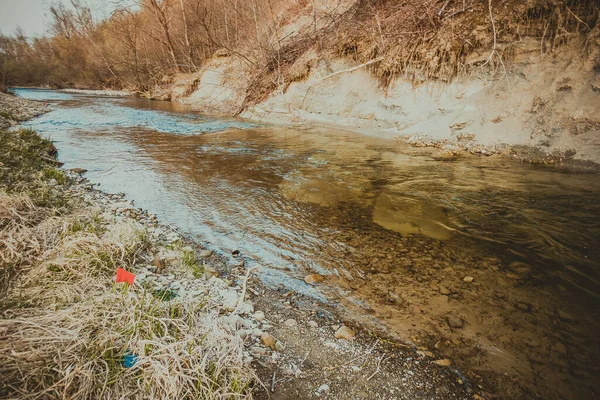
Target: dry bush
<point>424,40</point>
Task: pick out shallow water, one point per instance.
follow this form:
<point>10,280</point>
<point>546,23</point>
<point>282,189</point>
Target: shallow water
<point>345,205</point>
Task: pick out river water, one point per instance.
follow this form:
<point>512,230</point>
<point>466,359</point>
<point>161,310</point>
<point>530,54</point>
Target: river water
<point>394,230</point>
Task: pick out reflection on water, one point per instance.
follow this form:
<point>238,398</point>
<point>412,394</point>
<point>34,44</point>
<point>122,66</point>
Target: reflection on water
<point>346,205</point>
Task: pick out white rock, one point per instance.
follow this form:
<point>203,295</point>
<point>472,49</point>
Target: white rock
<point>205,253</point>
<point>259,315</point>
<point>230,299</point>
<point>246,308</point>
<point>313,324</point>
<point>323,388</point>
<point>257,332</point>
<point>291,323</point>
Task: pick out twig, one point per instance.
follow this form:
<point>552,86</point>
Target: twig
<point>441,12</point>
<point>377,370</point>
<point>273,382</point>
<point>577,18</point>
<point>244,288</point>
<point>495,39</point>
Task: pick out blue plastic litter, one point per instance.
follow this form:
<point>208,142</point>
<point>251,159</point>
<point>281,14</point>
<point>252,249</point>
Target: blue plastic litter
<point>129,359</point>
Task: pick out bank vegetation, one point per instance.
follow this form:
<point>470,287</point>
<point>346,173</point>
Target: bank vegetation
<point>145,44</point>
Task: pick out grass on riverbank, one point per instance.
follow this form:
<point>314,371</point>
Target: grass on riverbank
<point>66,328</point>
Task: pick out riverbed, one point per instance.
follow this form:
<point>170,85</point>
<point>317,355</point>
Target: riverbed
<point>489,261</point>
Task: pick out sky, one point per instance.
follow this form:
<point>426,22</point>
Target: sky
<point>33,16</point>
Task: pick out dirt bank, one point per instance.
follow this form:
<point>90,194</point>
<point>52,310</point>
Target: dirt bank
<point>540,101</point>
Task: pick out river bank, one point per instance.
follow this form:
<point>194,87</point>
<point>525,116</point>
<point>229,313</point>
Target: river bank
<point>64,318</point>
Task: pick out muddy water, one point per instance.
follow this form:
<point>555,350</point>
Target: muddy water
<point>394,230</point>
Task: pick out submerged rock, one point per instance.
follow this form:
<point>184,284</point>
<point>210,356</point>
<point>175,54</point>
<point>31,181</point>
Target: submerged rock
<point>443,362</point>
<point>314,278</point>
<point>454,321</point>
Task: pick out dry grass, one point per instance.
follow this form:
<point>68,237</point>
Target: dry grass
<point>66,326</point>
<point>428,40</point>
<point>439,40</point>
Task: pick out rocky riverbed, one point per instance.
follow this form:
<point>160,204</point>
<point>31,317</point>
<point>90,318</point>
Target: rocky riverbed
<point>300,348</point>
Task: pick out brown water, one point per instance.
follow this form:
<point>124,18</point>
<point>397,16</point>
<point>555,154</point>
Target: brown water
<point>394,230</point>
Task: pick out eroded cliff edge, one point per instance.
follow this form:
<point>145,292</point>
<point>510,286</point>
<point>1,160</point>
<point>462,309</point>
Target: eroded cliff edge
<point>532,97</point>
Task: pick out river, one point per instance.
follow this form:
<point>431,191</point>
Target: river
<point>394,230</point>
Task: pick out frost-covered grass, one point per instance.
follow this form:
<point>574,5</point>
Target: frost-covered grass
<point>67,328</point>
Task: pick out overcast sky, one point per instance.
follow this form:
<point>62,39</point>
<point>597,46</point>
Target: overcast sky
<point>33,16</point>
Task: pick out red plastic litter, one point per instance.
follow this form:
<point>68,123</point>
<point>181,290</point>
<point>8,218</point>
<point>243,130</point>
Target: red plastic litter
<point>124,276</point>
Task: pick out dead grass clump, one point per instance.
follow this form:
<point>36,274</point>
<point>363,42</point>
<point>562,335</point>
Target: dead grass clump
<point>68,329</point>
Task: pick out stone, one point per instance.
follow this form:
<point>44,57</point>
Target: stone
<point>443,362</point>
<point>209,272</point>
<point>345,332</point>
<point>454,321</point>
<point>258,316</point>
<point>230,299</point>
<point>444,290</point>
<point>532,342</point>
<point>468,279</point>
<point>313,324</point>
<point>159,263</point>
<point>291,323</point>
<point>314,278</point>
<point>323,388</point>
<point>560,348</point>
<point>79,170</point>
<point>565,316</point>
<point>205,253</point>
<point>268,340</point>
<point>246,308</point>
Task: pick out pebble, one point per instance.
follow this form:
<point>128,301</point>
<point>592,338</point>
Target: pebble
<point>205,253</point>
<point>565,316</point>
<point>209,272</point>
<point>246,308</point>
<point>443,362</point>
<point>444,290</point>
<point>323,388</point>
<point>345,332</point>
<point>313,324</point>
<point>230,299</point>
<point>291,323</point>
<point>468,279</point>
<point>159,263</point>
<point>268,340</point>
<point>454,321</point>
<point>258,316</point>
<point>314,278</point>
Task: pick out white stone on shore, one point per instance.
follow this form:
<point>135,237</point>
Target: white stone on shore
<point>230,299</point>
